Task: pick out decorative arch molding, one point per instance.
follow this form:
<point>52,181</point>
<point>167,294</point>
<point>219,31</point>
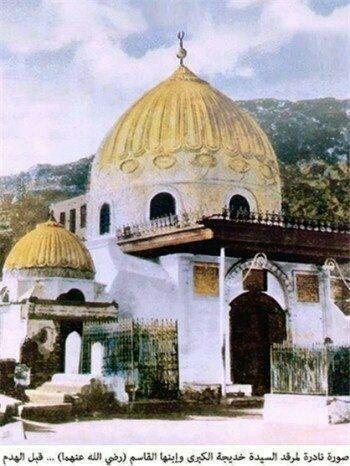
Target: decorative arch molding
<point>231,280</point>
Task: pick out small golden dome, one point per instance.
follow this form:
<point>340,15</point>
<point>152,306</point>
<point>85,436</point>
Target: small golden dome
<point>185,113</point>
<point>50,246</point>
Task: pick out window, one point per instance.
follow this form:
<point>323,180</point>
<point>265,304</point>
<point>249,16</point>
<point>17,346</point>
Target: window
<point>162,205</point>
<point>238,205</point>
<point>83,216</point>
<point>72,220</point>
<point>63,218</point>
<point>105,219</point>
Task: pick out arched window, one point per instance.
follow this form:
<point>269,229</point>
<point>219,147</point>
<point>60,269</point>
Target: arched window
<point>73,295</point>
<point>238,205</point>
<point>105,219</point>
<point>162,205</point>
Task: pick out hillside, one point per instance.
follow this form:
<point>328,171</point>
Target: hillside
<point>304,130</point>
<point>58,181</point>
<point>309,130</point>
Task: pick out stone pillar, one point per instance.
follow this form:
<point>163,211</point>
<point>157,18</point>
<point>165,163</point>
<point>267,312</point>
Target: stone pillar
<point>325,288</point>
<point>179,268</point>
<point>184,287</point>
<point>97,359</point>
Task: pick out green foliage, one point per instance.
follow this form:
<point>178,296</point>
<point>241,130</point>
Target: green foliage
<point>316,190</point>
<point>94,399</point>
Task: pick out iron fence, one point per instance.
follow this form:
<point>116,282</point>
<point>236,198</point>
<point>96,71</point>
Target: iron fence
<point>313,370</point>
<point>199,217</point>
<point>144,352</point>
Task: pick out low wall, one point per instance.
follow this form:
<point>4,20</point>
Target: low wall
<point>316,410</point>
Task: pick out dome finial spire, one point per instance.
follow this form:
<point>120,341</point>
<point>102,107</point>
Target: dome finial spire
<point>181,54</point>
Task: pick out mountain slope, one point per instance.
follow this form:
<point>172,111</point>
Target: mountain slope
<point>306,130</point>
<point>61,181</point>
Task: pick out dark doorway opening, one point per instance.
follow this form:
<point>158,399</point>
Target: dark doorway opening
<point>238,206</point>
<point>256,322</point>
<point>162,205</point>
<point>73,295</point>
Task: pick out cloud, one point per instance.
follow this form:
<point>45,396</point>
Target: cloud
<point>295,16</point>
<point>56,24</point>
<point>68,73</point>
<point>242,4</point>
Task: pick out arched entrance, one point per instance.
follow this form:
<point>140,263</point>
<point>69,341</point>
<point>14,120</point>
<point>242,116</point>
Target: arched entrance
<point>70,345</point>
<point>72,353</point>
<point>256,322</point>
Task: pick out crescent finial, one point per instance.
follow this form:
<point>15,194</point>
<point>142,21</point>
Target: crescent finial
<point>181,54</point>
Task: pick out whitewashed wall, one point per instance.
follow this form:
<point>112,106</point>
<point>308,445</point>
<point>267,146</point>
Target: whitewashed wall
<point>164,288</point>
<point>13,331</point>
<point>22,287</point>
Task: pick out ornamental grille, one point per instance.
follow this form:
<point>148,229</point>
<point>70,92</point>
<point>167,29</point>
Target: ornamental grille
<point>143,352</point>
<point>313,370</point>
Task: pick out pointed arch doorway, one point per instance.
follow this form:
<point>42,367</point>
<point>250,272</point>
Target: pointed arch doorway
<point>256,322</point>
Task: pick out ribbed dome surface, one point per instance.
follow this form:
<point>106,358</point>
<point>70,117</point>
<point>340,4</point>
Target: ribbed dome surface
<point>184,113</point>
<point>50,246</point>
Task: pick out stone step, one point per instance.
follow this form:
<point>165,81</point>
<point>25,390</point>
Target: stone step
<point>249,402</point>
<point>54,388</point>
<point>243,389</point>
<point>72,379</point>
<point>53,392</point>
<point>46,398</point>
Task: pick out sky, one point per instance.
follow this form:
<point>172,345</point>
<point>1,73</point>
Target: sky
<point>69,68</point>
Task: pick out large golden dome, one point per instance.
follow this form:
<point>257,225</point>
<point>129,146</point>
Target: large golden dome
<point>192,143</point>
<point>53,248</point>
<point>185,113</point>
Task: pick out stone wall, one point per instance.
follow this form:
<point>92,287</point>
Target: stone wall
<point>41,350</point>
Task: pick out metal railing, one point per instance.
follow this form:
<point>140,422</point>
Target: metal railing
<point>195,219</point>
<point>311,370</point>
<point>160,225</point>
<point>142,351</point>
<point>281,220</point>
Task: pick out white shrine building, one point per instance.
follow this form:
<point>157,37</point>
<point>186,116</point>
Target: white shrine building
<point>184,193</point>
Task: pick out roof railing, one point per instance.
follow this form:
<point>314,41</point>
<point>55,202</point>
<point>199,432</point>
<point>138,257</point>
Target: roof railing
<point>195,219</point>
